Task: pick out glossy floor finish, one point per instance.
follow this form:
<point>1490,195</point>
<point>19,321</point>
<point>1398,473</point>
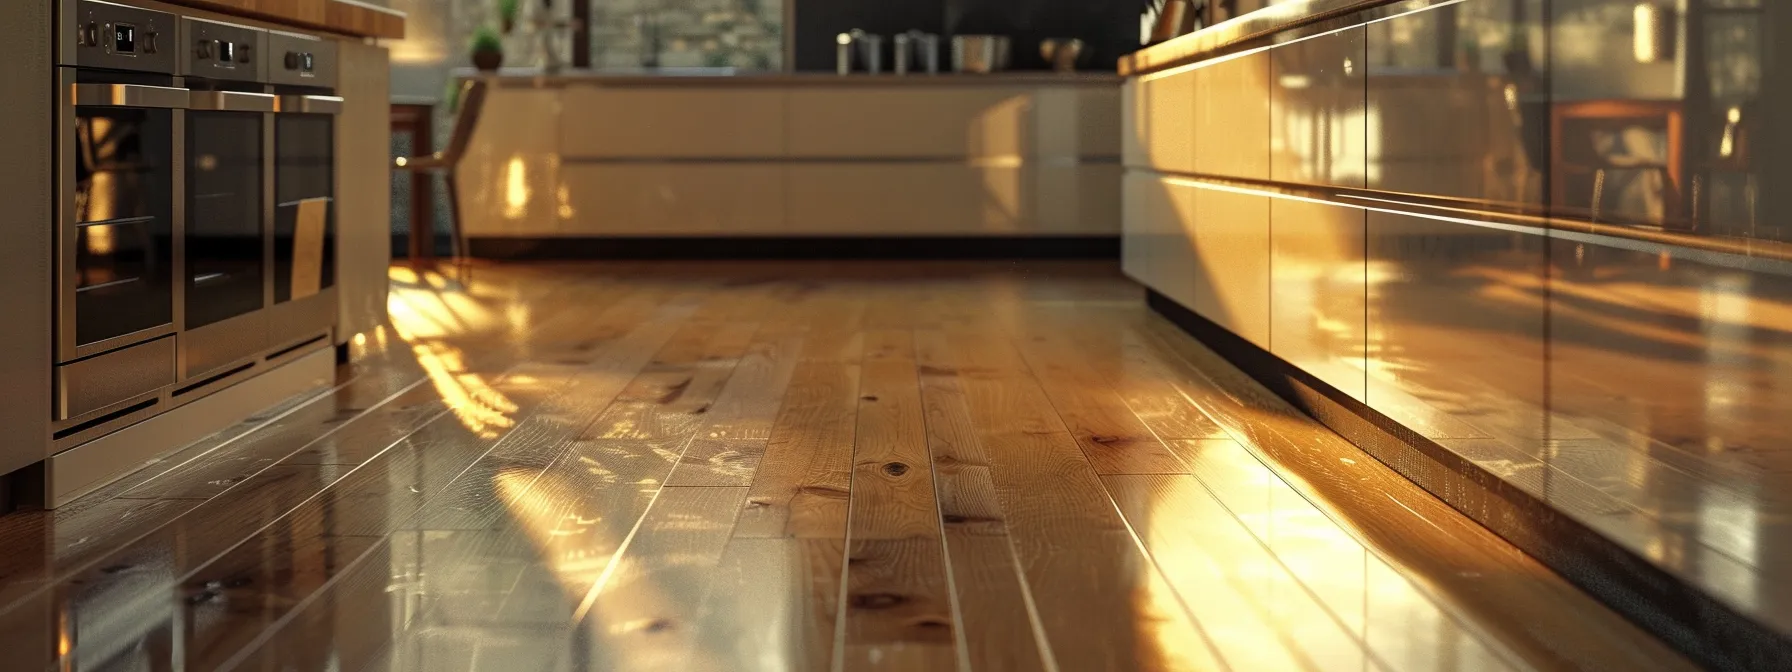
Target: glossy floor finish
<point>783,466</point>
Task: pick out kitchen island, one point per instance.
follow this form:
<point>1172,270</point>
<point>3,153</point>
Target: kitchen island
<point>1531,259</point>
<point>196,222</point>
<point>706,164</point>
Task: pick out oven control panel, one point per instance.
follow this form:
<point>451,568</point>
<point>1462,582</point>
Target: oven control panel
<point>223,51</point>
<point>116,37</point>
<point>301,60</point>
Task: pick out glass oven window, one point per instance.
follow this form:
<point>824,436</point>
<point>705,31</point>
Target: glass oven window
<point>225,252</point>
<point>304,146</point>
<point>123,256</point>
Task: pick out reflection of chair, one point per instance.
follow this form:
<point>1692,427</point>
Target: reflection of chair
<point>472,99</point>
<point>1581,175</point>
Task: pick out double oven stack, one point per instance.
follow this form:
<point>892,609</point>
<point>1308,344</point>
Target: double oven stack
<point>196,213</point>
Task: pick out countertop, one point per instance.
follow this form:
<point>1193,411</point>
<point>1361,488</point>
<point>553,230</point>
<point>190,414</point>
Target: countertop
<point>347,17</point>
<point>727,77</point>
<point>1209,41</point>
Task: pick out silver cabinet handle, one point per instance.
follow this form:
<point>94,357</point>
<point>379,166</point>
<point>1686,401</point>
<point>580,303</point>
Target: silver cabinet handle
<point>233,101</point>
<point>129,95</point>
<point>311,104</point>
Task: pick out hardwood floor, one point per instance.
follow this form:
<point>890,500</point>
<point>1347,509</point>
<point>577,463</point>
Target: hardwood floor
<point>777,466</point>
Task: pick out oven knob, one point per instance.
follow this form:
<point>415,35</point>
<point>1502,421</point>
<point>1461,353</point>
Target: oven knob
<point>292,60</point>
<point>89,34</point>
<point>149,42</point>
<point>205,49</point>
<point>244,53</point>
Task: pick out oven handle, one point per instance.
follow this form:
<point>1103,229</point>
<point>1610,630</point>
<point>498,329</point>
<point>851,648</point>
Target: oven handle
<point>233,101</point>
<point>311,104</point>
<point>130,95</point>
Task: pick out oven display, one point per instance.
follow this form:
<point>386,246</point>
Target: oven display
<point>124,38</point>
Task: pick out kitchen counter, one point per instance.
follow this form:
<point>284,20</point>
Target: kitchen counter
<point>1013,159</point>
<point>345,17</point>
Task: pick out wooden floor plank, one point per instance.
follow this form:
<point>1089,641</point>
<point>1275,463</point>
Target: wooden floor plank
<point>1259,616</point>
<point>1115,440</point>
<point>727,449</point>
<point>898,611</point>
<point>771,607</point>
<point>645,618</point>
<point>1101,604</point>
<point>997,624</point>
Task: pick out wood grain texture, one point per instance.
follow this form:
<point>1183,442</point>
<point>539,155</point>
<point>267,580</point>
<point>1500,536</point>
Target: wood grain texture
<point>784,467</point>
<point>997,624</point>
<point>898,610</point>
<point>1100,603</point>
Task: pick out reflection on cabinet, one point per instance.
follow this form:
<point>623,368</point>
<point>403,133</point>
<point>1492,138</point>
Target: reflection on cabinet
<point>1429,340</point>
<point>662,199</point>
<point>1231,103</point>
<point>1319,290</point>
<point>662,122</point>
<point>1319,110</point>
<point>1231,247</point>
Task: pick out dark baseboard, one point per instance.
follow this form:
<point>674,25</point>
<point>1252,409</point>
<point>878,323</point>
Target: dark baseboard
<point>833,247</point>
<point>1707,630</point>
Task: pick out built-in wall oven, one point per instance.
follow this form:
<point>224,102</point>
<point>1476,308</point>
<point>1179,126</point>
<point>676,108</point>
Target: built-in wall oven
<point>302,70</point>
<point>196,208</point>
<point>121,127</point>
<point>227,241</point>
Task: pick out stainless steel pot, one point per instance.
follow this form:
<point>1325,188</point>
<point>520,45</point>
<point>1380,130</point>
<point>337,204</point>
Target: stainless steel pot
<point>980,53</point>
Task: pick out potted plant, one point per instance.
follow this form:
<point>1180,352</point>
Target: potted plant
<point>488,50</point>
<point>507,13</point>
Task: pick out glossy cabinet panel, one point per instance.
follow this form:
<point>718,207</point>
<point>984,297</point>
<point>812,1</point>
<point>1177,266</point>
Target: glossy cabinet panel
<point>1456,328</point>
<point>905,122</point>
<point>922,199</point>
<point>672,199</point>
<point>1075,199</point>
<point>1231,265</point>
<point>1158,245</point>
<point>1468,122</point>
<point>1231,105</point>
<point>671,122</point>
<point>1163,112</point>
<point>1318,131</point>
<point>1318,320</point>
<point>509,180</point>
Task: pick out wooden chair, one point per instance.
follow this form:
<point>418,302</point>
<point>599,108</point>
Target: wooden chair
<point>445,162</point>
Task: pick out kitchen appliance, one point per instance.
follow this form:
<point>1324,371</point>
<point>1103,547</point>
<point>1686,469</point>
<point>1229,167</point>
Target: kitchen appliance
<point>120,127</point>
<point>226,242</point>
<point>194,209</point>
<point>980,54</point>
<point>303,74</point>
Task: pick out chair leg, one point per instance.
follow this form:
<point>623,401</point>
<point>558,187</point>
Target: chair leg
<point>456,238</point>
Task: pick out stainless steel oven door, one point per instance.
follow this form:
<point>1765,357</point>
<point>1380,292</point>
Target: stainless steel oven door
<point>119,214</point>
<point>305,196</point>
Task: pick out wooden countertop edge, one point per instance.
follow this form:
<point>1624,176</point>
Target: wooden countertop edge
<point>1215,39</point>
<point>344,17</point>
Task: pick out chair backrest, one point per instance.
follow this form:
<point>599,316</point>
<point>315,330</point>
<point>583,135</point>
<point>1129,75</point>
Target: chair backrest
<point>472,101</point>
